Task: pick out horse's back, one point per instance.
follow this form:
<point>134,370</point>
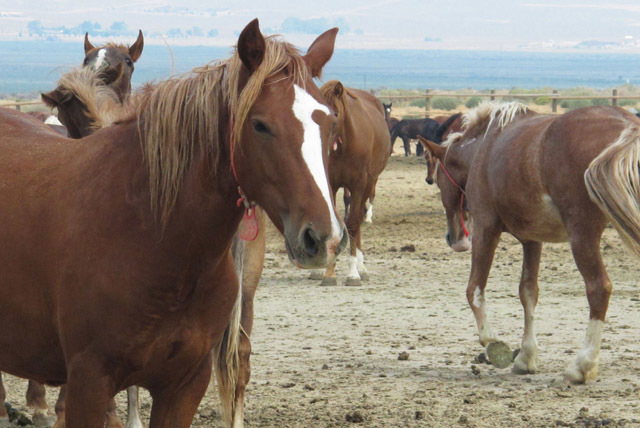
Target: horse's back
<point>368,114</point>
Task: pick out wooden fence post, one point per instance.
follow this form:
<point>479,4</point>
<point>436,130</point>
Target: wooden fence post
<point>554,102</point>
<point>614,100</point>
<point>493,92</point>
<point>427,100</point>
<point>18,107</point>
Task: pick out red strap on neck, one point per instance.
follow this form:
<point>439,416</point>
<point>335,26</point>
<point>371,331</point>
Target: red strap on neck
<point>249,226</point>
<point>462,196</point>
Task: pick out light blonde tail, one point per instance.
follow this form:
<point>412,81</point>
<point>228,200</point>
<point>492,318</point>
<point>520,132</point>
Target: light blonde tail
<point>613,183</point>
<point>227,357</point>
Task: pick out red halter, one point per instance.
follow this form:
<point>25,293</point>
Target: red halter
<point>249,227</point>
<point>462,196</point>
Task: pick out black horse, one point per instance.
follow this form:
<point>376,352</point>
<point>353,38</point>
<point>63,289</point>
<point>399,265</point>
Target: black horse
<point>409,129</point>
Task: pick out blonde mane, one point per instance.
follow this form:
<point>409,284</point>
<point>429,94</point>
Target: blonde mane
<point>490,111</point>
<point>102,106</point>
<point>180,117</point>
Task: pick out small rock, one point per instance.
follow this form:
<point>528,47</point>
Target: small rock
<point>481,358</point>
<point>309,388</point>
<point>404,356</point>
<point>325,367</point>
<point>288,385</point>
<point>463,420</point>
<point>408,248</point>
<point>475,370</point>
<point>419,415</point>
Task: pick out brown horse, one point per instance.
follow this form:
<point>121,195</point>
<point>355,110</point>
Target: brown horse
<point>542,178</point>
<point>357,158</point>
<point>448,125</point>
<point>85,99</point>
<point>111,55</point>
<point>122,247</point>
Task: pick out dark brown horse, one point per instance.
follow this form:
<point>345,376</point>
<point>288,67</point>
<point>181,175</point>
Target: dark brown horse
<point>124,238</point>
<point>407,130</point>
<point>358,156</point>
<point>542,178</point>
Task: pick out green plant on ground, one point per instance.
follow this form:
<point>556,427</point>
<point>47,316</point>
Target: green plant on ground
<point>444,103</point>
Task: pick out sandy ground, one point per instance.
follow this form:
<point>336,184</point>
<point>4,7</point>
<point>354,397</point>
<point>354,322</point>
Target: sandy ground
<point>329,356</point>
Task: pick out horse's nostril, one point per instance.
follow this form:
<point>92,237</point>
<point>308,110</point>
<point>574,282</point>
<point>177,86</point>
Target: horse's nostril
<point>311,242</point>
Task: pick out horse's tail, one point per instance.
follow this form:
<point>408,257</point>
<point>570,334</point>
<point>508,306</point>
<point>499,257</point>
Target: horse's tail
<point>613,183</point>
<point>442,129</point>
<point>227,356</point>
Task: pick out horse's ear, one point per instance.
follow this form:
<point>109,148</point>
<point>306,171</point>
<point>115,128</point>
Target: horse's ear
<point>338,90</point>
<point>136,49</point>
<point>320,51</point>
<point>52,99</point>
<point>251,46</point>
<point>434,149</point>
<point>87,44</point>
<point>112,74</point>
<point>390,104</point>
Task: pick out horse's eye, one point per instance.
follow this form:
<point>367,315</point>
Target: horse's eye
<point>86,61</point>
<point>260,127</point>
<point>128,61</point>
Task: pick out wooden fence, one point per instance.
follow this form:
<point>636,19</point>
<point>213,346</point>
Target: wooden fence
<point>492,95</point>
<point>18,105</point>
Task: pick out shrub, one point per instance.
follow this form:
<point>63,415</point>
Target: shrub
<point>473,102</point>
<point>420,102</point>
<point>541,101</point>
<point>444,103</point>
<point>574,104</point>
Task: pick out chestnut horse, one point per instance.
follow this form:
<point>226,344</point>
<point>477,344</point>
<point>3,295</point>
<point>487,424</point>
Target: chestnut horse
<point>115,62</point>
<point>121,250</point>
<point>542,178</point>
<point>358,156</point>
<point>111,55</point>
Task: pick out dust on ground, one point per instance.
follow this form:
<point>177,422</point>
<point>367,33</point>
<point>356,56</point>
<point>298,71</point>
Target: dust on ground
<point>402,349</point>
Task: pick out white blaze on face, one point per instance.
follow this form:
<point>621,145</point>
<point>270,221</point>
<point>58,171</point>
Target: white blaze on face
<point>303,107</point>
<point>99,59</point>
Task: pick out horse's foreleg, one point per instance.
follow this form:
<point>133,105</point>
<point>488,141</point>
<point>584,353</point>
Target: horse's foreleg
<point>88,394</point>
<point>586,253</point>
<point>527,359</point>
<point>133,408</point>
<point>484,246</point>
<point>175,405</point>
<point>60,407</point>
<point>356,258</point>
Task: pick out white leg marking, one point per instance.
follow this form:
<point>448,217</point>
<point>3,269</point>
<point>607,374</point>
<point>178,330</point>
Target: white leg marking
<point>303,107</point>
<point>585,366</point>
<point>369,217</point>
<point>484,329</point>
<point>133,408</point>
<point>360,257</point>
<point>99,59</point>
<point>353,268</point>
<point>238,417</point>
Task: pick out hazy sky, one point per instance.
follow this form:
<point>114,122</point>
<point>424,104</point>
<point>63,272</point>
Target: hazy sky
<point>412,24</point>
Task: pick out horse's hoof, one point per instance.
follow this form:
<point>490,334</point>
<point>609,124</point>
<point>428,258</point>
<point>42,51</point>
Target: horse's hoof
<point>329,281</point>
<point>364,276</point>
<point>42,420</point>
<point>4,422</point>
<point>499,354</point>
<point>316,275</point>
<point>353,282</point>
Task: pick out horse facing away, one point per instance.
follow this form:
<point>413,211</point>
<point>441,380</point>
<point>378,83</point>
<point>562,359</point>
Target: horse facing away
<point>357,158</point>
<point>80,116</point>
<point>542,178</point>
<point>136,221</point>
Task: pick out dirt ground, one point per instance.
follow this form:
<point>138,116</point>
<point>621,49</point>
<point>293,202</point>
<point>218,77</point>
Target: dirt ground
<point>329,356</point>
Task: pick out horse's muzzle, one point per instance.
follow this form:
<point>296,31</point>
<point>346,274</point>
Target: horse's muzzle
<point>312,250</point>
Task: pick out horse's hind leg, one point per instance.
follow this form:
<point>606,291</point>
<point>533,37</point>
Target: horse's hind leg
<point>4,417</point>
<point>407,146</point>
<point>133,408</point>
<point>37,402</point>
<point>176,403</point>
<point>585,246</point>
<point>252,271</point>
<point>357,270</point>
<point>111,419</point>
<point>485,241</point>
<point>526,361</point>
